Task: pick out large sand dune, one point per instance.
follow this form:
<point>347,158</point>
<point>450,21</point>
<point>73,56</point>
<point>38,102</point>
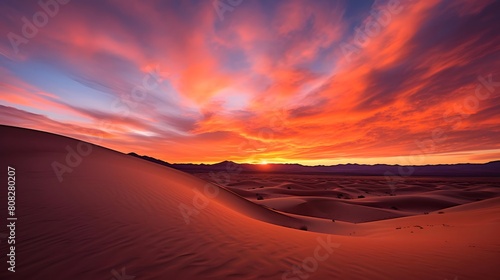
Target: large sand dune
<point>113,211</point>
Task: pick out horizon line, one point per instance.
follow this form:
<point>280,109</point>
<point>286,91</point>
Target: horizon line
<point>306,165</point>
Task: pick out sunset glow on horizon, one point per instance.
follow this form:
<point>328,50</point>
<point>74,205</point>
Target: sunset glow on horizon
<point>309,82</point>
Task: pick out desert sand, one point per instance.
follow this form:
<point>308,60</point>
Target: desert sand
<point>117,217</point>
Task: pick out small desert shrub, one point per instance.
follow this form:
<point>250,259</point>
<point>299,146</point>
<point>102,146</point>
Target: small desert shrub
<point>333,220</point>
<point>259,197</point>
<point>440,212</point>
<point>394,207</point>
<point>303,228</point>
<point>361,196</point>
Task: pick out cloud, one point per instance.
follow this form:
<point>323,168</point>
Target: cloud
<point>272,80</point>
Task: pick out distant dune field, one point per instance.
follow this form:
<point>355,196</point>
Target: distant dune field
<point>357,198</point>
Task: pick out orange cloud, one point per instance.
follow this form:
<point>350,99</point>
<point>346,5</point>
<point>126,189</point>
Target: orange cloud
<point>272,81</point>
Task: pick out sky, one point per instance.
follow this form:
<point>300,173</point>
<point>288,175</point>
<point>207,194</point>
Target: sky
<point>310,82</point>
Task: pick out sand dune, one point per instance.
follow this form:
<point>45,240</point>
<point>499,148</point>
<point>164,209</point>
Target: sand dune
<point>113,211</point>
<point>355,199</point>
